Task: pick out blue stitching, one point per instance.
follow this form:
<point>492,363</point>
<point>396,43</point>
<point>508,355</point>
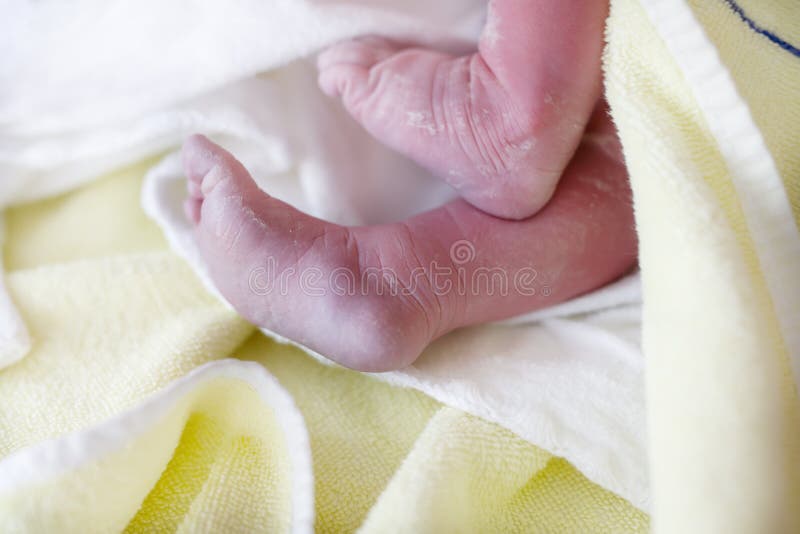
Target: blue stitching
<point>758,29</point>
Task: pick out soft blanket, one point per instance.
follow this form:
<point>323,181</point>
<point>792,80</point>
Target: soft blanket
<point>568,379</point>
<point>146,405</point>
<point>705,95</point>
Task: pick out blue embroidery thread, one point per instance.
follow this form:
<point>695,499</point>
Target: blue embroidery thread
<point>761,31</point>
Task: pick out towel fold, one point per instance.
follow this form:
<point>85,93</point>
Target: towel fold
<point>304,148</point>
<point>707,107</point>
<point>146,405</point>
<point>705,97</point>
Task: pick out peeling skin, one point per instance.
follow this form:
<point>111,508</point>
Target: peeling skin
<point>421,120</point>
<point>491,32</point>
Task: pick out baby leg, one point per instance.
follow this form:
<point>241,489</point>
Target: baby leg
<point>373,297</point>
<point>500,125</point>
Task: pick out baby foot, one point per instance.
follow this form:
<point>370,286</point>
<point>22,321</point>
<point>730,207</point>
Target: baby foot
<point>278,267</point>
<point>500,125</point>
<point>372,298</point>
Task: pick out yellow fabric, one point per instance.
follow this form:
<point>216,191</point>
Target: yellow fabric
<point>116,318</point>
<point>722,410</point>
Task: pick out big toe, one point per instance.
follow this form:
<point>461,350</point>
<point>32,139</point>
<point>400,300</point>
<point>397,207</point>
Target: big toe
<point>208,168</point>
<point>200,156</point>
<point>344,67</point>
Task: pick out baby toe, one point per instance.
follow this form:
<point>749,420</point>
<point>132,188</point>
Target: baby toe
<point>194,189</point>
<point>192,208</point>
<point>198,157</point>
<point>341,79</point>
<point>362,52</point>
<point>344,67</point>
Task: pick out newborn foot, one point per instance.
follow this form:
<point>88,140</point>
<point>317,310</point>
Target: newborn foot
<point>296,275</point>
<point>372,298</point>
<point>500,125</point>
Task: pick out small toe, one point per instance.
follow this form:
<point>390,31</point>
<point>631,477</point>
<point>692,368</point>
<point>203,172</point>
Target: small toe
<point>341,79</point>
<point>363,52</point>
<point>192,208</point>
<point>199,156</point>
<point>194,190</point>
<point>209,166</point>
<point>344,67</point>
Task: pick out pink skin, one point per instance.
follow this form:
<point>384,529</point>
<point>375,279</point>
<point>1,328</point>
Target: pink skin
<point>499,125</point>
<point>259,249</point>
<point>582,239</point>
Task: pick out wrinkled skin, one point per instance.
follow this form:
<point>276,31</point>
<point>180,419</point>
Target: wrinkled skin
<point>515,128</point>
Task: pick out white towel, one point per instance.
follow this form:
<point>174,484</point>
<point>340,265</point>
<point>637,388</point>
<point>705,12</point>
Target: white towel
<point>95,85</point>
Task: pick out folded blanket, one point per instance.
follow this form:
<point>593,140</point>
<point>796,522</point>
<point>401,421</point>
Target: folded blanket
<point>707,101</point>
<point>304,148</point>
<point>125,416</point>
<point>704,94</point>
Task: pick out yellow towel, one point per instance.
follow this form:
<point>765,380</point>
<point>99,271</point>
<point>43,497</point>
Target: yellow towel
<point>146,405</point>
<point>715,185</point>
<point>125,416</point>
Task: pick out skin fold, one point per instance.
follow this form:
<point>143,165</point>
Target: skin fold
<point>515,128</point>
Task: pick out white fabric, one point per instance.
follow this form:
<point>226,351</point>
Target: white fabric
<point>97,85</point>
